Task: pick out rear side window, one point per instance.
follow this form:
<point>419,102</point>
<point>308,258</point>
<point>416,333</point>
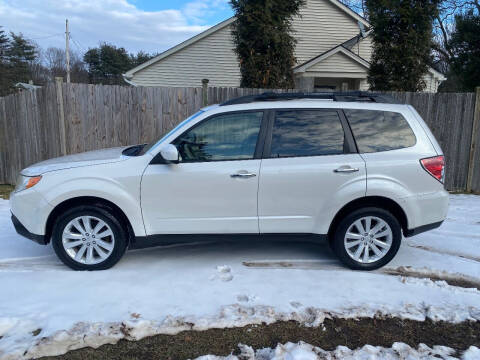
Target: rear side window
<point>307,133</point>
<point>376,131</point>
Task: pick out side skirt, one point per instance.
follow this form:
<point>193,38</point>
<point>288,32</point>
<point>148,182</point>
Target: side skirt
<point>142,242</point>
<point>422,229</point>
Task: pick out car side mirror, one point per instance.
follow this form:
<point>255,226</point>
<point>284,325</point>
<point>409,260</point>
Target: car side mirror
<point>170,154</point>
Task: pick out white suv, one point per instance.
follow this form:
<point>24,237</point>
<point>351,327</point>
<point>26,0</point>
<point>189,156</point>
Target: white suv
<point>355,169</point>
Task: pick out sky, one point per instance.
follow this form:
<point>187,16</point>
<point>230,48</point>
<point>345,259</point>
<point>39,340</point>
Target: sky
<point>149,25</point>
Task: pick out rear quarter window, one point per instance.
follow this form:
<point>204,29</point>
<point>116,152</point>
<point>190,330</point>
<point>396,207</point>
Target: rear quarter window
<point>376,131</point>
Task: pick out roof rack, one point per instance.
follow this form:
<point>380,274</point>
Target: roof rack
<point>350,96</point>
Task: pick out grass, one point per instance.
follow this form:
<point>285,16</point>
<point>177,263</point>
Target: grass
<point>5,191</point>
<point>334,332</point>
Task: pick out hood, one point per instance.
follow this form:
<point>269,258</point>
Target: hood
<point>77,160</point>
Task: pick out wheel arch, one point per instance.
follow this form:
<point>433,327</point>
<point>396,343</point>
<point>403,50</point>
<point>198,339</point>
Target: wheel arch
<point>368,201</point>
<point>92,201</point>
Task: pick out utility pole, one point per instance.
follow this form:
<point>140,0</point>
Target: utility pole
<point>67,50</point>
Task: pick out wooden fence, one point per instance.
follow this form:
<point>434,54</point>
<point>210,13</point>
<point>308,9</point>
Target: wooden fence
<point>63,119</point>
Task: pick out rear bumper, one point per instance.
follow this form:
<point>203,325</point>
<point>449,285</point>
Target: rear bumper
<point>425,210</point>
<point>423,228</point>
<point>22,230</point>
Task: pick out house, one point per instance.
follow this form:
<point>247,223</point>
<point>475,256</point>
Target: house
<point>333,53</point>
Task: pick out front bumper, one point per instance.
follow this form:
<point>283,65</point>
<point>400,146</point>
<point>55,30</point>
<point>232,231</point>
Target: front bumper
<point>31,210</point>
<point>22,230</point>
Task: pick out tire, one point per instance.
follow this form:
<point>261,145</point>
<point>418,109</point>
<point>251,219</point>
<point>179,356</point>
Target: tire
<point>386,240</point>
<point>93,250</point>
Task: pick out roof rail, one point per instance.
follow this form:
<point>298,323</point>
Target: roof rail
<point>349,96</point>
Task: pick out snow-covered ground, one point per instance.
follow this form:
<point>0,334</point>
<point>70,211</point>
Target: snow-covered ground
<point>303,351</point>
<point>47,309</point>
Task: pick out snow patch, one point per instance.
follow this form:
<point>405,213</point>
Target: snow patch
<point>304,351</point>
<point>97,334</point>
<point>49,310</point>
<point>224,273</point>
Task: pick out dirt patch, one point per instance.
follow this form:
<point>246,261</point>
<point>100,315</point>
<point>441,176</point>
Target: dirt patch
<point>5,191</point>
<point>334,332</point>
<point>295,264</point>
<point>451,279</point>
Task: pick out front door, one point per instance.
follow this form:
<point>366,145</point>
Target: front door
<point>214,187</point>
<point>311,167</point>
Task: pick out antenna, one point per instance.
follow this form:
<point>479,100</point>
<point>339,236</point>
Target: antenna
<point>363,32</point>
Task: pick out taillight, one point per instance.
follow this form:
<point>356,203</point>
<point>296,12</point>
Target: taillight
<point>435,166</point>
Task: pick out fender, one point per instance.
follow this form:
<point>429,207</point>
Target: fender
<point>391,188</point>
<point>123,192</point>
<point>350,191</point>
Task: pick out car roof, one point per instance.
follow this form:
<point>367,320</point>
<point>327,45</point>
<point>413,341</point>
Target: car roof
<point>306,104</point>
<point>344,96</point>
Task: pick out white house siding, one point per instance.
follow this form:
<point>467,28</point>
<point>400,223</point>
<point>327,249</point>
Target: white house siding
<point>320,27</point>
<point>364,85</point>
<point>338,63</point>
<point>211,57</point>
<point>364,48</point>
<point>431,83</point>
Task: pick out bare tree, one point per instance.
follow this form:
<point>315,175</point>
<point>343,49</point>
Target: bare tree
<point>444,26</point>
<point>356,5</point>
<point>55,60</point>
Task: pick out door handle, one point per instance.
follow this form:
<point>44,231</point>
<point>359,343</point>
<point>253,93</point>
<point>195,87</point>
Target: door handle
<point>345,169</point>
<point>243,175</point>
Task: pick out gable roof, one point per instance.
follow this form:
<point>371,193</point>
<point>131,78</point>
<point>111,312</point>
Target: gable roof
<point>129,74</point>
<point>337,49</point>
<point>344,49</point>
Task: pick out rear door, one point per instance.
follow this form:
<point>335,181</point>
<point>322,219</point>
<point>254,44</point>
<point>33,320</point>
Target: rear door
<point>309,170</point>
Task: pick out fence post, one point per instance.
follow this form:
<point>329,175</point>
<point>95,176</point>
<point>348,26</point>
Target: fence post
<point>205,92</point>
<point>475,134</point>
<point>61,115</point>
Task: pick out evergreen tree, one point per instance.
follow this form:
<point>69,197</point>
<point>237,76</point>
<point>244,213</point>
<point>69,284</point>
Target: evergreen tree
<point>264,43</point>
<point>465,45</point>
<point>17,55</point>
<point>140,58</point>
<point>4,64</point>
<point>4,45</point>
<point>21,54</point>
<point>402,42</point>
<point>106,64</point>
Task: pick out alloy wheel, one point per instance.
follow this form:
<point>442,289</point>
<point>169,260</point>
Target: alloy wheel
<point>88,240</point>
<point>368,239</point>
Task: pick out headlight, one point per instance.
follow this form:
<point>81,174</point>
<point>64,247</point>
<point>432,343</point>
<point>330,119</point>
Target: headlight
<point>26,182</point>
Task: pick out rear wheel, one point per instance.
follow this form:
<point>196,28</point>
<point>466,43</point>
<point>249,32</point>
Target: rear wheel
<point>89,238</point>
<point>367,239</point>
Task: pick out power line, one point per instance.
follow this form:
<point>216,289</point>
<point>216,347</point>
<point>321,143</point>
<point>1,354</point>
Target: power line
<point>47,36</point>
<point>77,43</point>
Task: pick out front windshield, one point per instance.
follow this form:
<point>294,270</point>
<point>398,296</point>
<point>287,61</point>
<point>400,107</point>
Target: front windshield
<point>149,146</point>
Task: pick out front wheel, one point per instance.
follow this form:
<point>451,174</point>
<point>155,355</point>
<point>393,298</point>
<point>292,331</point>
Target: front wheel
<point>367,239</point>
<point>89,238</point>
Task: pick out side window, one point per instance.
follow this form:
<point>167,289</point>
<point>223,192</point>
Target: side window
<point>307,133</point>
<point>223,137</point>
<point>376,131</point>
